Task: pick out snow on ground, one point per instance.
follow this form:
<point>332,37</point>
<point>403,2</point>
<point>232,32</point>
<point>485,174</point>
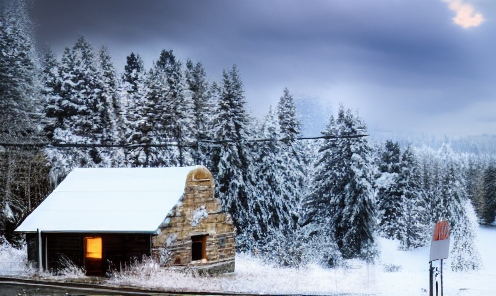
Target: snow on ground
<point>414,274</point>
<point>410,278</point>
<point>395,273</point>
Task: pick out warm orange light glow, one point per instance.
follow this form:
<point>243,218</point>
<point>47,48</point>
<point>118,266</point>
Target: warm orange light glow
<point>94,247</point>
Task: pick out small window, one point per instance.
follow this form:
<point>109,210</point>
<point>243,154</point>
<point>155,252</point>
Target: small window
<point>198,247</point>
<point>94,247</point>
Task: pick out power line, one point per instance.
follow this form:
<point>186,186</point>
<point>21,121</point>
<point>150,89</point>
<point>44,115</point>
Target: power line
<point>166,144</point>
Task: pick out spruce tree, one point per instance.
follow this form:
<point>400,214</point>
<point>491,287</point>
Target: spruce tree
<point>170,112</point>
<point>198,87</point>
<point>232,158</point>
<point>134,100</point>
<point>389,197</point>
<point>21,118</point>
<point>413,220</point>
<point>268,206</point>
<point>294,177</point>
<point>112,131</point>
<point>489,194</point>
<point>20,79</point>
<point>290,126</point>
<point>342,200</point>
<point>83,111</point>
<point>454,205</point>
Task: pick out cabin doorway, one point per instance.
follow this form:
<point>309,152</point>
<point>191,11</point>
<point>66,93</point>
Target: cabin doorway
<point>93,255</point>
<point>198,247</point>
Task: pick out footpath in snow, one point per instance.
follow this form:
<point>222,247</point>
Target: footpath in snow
<point>395,273</point>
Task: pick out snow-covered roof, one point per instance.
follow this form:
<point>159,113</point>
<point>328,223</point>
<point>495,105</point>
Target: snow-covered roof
<point>110,200</point>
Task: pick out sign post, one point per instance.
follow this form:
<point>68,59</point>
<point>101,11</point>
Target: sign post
<point>439,251</point>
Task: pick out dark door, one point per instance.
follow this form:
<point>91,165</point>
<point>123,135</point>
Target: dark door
<point>198,247</point>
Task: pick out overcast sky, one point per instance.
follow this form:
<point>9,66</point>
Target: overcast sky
<point>406,65</point>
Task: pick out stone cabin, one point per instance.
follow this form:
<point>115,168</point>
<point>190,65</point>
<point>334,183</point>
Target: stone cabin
<point>102,218</point>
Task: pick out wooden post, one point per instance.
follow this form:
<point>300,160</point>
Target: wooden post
<point>430,279</point>
<point>441,277</point>
<point>40,252</point>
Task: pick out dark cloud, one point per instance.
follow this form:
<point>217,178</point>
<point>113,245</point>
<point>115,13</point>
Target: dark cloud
<point>403,64</point>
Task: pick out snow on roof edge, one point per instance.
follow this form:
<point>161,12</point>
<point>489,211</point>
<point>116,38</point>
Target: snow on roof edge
<point>108,192</point>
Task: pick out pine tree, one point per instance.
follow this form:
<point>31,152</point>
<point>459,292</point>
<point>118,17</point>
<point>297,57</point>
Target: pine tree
<point>389,197</point>
<point>231,160</point>
<point>51,89</point>
<point>454,205</point>
<point>489,194</point>
<point>21,119</point>
<point>464,253</point>
<point>413,219</point>
<point>82,111</point>
<point>292,166</point>
<point>268,207</point>
<point>170,112</point>
<point>134,100</point>
<point>110,111</point>
<point>198,88</point>
<point>286,112</point>
<point>20,79</point>
<point>342,199</point>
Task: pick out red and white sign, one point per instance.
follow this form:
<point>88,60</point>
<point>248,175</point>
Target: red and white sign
<point>440,241</point>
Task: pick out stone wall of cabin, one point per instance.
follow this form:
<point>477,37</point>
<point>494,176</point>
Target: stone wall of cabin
<point>197,213</point>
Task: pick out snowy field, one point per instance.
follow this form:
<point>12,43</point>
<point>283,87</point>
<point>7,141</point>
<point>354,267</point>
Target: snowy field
<point>396,273</point>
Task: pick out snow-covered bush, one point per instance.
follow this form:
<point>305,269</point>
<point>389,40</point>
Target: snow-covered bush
<point>137,271</point>
<point>69,269</point>
<point>13,261</point>
<point>295,248</point>
<point>283,248</point>
<point>392,268</point>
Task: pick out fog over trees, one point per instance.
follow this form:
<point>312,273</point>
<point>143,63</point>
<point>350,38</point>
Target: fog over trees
<point>292,201</point>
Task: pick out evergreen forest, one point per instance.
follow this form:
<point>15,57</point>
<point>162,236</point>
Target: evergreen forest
<point>292,200</point>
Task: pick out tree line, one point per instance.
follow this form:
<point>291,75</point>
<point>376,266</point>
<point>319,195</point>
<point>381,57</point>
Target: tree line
<point>292,201</point>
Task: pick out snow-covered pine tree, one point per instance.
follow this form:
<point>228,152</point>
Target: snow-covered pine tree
<point>20,79</point>
<point>473,176</point>
<point>133,98</point>
<point>488,196</point>
<point>170,112</point>
<point>453,204</point>
<point>464,253</point>
<point>231,160</point>
<point>58,81</point>
<point>21,119</point>
<point>112,131</point>
<point>51,88</point>
<point>268,207</point>
<point>181,107</point>
<point>290,126</point>
<point>198,87</point>
<point>294,177</point>
<point>81,109</point>
<point>414,228</point>
<point>390,200</point>
<point>342,203</point>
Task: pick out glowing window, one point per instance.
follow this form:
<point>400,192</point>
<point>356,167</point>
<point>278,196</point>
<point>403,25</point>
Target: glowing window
<point>94,247</point>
